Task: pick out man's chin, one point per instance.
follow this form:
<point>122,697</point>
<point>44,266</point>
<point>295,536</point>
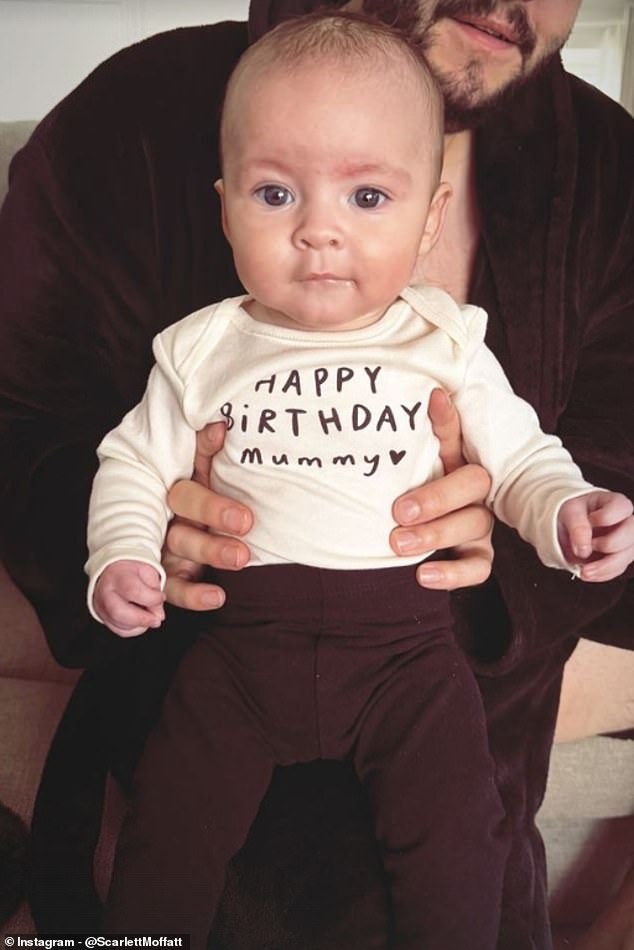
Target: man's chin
<point>462,117</point>
<point>468,111</point>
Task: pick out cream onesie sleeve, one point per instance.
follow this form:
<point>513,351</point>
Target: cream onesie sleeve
<point>141,458</point>
<point>532,473</point>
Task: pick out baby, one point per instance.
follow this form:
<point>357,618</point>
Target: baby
<point>332,135</point>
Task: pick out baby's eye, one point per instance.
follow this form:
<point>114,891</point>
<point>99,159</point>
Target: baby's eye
<point>368,197</point>
<point>275,196</point>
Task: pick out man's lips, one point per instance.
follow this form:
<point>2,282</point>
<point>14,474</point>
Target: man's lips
<point>497,29</point>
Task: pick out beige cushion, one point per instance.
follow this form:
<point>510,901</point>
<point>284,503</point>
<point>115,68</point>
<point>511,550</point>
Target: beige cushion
<point>30,714</point>
<point>13,135</point>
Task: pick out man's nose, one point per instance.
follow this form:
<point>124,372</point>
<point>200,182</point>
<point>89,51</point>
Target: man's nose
<point>316,230</point>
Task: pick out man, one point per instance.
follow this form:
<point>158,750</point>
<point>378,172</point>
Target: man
<point>110,232</point>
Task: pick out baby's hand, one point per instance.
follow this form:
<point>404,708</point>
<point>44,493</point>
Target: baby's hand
<point>128,598</point>
<point>598,529</point>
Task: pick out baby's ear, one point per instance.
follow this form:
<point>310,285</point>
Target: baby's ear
<point>435,217</point>
<point>219,186</point>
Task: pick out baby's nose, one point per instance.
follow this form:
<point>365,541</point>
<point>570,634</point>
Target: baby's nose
<point>316,231</point>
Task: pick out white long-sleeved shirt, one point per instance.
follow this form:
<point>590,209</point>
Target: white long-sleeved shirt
<point>324,431</point>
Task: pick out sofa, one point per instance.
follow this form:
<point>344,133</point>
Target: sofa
<point>587,818</point>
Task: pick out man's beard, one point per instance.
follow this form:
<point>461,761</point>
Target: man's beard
<point>466,109</point>
<point>467,105</point>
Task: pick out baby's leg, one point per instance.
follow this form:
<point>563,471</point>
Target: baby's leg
<point>201,779</point>
<point>422,755</point>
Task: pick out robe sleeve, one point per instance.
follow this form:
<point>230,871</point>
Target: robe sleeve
<point>78,307</point>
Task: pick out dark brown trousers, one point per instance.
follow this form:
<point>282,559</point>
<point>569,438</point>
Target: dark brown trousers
<point>305,664</point>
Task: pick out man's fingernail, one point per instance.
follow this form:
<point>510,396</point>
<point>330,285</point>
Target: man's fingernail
<point>229,555</point>
<point>213,599</point>
<point>234,520</point>
<point>406,541</point>
<point>234,556</point>
<point>429,575</point>
<point>407,510</point>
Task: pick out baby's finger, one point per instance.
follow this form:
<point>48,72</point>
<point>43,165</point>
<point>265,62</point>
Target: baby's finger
<point>136,590</point>
<point>130,632</point>
<point>573,518</point>
<point>619,538</point>
<point>150,576</point>
<point>580,538</point>
<point>605,569</point>
<point>157,614</point>
<point>614,509</point>
<point>127,619</point>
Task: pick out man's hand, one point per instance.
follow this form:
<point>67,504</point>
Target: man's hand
<point>448,512</point>
<point>191,542</point>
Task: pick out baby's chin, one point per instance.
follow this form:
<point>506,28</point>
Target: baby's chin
<point>319,305</point>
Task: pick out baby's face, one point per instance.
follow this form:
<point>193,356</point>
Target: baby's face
<point>328,182</point>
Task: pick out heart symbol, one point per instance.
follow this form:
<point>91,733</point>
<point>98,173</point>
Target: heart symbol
<point>396,456</point>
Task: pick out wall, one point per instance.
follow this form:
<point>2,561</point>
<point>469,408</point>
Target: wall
<point>600,49</point>
<point>48,46</point>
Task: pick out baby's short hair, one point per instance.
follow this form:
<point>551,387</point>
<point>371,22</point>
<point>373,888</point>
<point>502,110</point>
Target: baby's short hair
<point>350,39</point>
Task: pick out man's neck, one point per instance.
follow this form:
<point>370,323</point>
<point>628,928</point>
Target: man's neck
<point>457,155</point>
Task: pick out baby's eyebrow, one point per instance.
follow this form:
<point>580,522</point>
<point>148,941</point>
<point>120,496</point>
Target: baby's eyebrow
<point>266,162</point>
<point>344,169</point>
<point>353,169</point>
